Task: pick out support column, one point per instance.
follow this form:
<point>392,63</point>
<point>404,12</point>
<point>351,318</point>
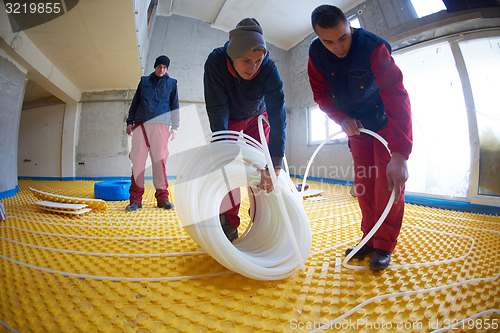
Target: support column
<point>69,140</point>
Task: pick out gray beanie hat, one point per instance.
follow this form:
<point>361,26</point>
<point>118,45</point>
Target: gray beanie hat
<point>247,35</point>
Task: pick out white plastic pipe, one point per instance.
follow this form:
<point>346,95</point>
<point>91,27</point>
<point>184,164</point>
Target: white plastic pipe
<point>265,250</point>
<point>331,324</point>
<point>278,192</point>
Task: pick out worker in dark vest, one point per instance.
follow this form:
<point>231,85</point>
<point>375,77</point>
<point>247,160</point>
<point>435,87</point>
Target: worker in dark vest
<point>357,84</point>
<point>153,119</point>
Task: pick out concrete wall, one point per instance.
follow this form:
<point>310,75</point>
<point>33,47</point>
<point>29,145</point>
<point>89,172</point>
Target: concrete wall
<point>12,83</point>
<point>379,15</point>
<point>334,160</point>
<point>40,138</point>
<point>102,145</point>
<point>71,125</point>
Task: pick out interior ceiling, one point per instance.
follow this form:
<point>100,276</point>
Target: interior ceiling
<point>94,45</point>
<point>285,22</point>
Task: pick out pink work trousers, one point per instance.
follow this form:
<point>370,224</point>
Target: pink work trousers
<point>231,203</point>
<point>372,189</point>
<point>149,138</point>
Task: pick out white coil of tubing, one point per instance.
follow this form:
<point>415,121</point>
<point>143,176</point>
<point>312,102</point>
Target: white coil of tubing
<point>264,251</point>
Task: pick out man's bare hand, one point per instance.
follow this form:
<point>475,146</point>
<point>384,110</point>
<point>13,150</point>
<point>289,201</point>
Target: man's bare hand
<point>173,134</point>
<point>351,126</point>
<point>397,174</point>
<point>266,183</point>
<point>129,129</point>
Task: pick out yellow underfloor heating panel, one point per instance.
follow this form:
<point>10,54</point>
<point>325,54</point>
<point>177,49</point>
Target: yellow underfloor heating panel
<point>117,271</point>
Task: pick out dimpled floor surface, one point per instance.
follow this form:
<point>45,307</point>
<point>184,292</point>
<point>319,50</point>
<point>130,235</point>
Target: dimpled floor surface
<point>117,271</point>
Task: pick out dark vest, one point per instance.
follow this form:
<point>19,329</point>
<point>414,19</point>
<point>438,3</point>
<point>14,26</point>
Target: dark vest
<point>155,97</point>
<point>351,81</point>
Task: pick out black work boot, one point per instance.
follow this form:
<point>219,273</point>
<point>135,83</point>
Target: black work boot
<point>381,259</point>
<point>231,233</point>
<point>133,206</point>
<point>363,252</point>
<point>165,204</point>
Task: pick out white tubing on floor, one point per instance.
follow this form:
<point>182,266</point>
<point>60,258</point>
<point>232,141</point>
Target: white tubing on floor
<point>265,251</point>
<point>330,324</point>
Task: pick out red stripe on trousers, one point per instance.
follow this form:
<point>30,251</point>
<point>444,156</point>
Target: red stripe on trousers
<point>372,189</point>
<point>152,139</point>
<point>231,202</point>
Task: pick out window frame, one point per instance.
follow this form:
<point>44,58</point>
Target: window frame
<point>472,197</point>
<point>416,14</point>
<point>327,122</point>
<point>354,17</point>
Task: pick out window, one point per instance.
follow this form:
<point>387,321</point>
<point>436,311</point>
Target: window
<point>354,21</point>
<point>427,7</point>
<point>453,87</point>
<point>482,59</point>
<point>440,160</point>
<point>321,127</point>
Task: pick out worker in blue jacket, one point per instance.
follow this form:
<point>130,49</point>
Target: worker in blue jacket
<point>153,119</point>
<point>242,82</point>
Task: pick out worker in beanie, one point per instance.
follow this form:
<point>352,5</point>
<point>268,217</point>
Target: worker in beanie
<point>153,119</point>
<point>247,35</point>
<point>241,82</point>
